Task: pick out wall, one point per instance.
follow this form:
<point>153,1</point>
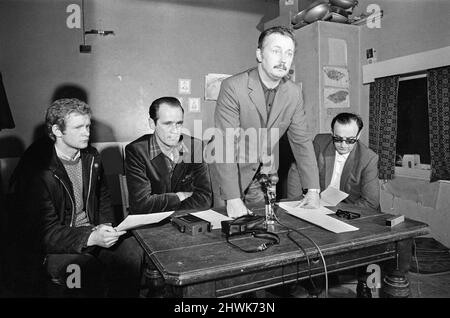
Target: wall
<point>407,27</point>
<point>313,53</point>
<point>155,43</point>
<point>419,200</point>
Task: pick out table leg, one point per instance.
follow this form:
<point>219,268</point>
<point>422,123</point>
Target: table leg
<point>154,281</point>
<point>395,282</point>
<point>362,290</point>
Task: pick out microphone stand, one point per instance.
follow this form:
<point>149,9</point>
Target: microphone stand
<point>268,185</point>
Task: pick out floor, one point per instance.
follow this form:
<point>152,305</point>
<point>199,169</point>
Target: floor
<point>421,286</point>
<point>341,286</point>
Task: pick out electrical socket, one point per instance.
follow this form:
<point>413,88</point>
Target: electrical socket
<point>85,48</point>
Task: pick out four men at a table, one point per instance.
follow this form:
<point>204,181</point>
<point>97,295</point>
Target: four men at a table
<point>68,206</point>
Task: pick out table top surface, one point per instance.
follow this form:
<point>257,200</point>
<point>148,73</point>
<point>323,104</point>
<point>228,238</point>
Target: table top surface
<point>188,258</point>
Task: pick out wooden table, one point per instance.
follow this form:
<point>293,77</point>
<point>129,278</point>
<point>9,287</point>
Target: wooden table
<point>207,266</point>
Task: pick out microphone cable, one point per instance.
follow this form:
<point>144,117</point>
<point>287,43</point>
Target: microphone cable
<point>307,258</point>
<point>317,247</point>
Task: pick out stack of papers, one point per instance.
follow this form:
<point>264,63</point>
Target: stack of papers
<point>324,221</point>
<point>213,217</point>
<point>293,206</point>
<point>329,197</point>
<point>135,221</point>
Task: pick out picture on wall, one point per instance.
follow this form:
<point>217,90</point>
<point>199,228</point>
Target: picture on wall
<point>336,97</point>
<point>335,76</point>
<point>212,85</point>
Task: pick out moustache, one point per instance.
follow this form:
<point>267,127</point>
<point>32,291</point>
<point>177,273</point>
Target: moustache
<point>281,67</point>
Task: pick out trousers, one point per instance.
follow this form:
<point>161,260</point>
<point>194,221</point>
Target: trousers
<point>102,272</point>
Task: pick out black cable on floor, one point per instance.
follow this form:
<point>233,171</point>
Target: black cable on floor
<point>317,247</point>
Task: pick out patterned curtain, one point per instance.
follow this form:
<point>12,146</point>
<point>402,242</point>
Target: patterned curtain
<point>439,119</point>
<point>383,124</point>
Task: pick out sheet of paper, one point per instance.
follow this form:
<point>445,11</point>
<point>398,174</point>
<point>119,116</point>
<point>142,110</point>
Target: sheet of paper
<point>324,221</point>
<point>332,196</point>
<point>293,206</point>
<point>213,217</point>
<point>134,221</point>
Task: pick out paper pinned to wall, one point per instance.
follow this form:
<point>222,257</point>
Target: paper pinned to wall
<point>336,76</point>
<point>337,52</point>
<point>212,85</point>
<point>336,97</point>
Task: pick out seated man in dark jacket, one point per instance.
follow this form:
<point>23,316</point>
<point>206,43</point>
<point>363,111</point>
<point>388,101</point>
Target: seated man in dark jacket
<point>165,170</point>
<point>64,206</point>
<point>345,163</point>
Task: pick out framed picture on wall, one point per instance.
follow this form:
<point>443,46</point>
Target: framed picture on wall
<point>335,76</point>
<point>212,85</point>
<point>334,97</point>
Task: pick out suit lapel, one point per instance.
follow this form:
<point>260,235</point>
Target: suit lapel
<point>178,172</point>
<point>162,171</point>
<point>348,166</point>
<point>256,94</point>
<point>278,104</point>
<point>330,154</point>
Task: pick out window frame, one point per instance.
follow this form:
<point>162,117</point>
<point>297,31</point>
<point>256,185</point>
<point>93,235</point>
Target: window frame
<point>422,174</point>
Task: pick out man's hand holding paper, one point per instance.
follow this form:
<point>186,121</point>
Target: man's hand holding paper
<point>311,200</point>
<point>332,196</point>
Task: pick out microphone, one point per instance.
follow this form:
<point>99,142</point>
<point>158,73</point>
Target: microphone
<point>268,185</point>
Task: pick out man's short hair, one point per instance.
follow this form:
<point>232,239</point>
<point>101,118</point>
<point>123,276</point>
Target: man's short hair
<point>153,110</point>
<point>347,118</point>
<point>60,109</point>
<point>278,30</point>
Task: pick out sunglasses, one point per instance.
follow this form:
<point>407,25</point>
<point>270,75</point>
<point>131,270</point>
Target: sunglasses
<point>348,141</point>
<point>347,214</point>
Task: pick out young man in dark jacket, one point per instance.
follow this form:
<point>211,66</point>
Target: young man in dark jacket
<point>65,207</point>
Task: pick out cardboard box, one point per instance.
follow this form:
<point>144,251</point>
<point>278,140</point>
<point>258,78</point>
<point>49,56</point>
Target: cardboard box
<point>411,161</point>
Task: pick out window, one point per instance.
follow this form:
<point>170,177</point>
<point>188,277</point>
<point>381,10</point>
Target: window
<point>412,119</point>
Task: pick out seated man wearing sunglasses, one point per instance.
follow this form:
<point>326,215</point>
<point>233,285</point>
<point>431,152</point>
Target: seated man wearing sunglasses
<point>345,163</point>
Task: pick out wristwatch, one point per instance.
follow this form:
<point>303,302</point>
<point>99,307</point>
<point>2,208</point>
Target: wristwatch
<point>314,190</point>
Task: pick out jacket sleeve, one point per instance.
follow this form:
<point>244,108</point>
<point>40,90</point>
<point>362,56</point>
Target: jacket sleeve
<point>141,198</point>
<point>106,211</point>
<point>227,116</point>
<point>54,237</point>
<point>302,147</point>
<point>369,186</point>
<point>201,197</point>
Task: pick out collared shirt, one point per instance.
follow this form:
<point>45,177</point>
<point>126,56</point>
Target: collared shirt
<point>174,155</point>
<point>339,162</point>
<point>269,94</point>
<point>63,156</point>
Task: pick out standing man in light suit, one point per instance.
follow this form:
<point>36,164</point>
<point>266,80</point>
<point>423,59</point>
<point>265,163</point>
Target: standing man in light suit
<point>263,99</point>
